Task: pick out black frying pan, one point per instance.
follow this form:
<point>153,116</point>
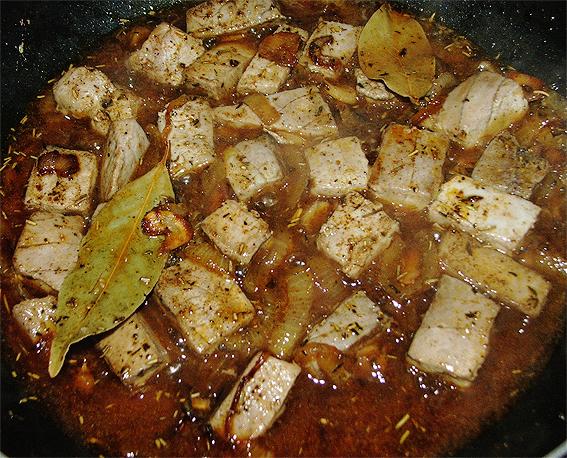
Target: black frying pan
<point>529,36</point>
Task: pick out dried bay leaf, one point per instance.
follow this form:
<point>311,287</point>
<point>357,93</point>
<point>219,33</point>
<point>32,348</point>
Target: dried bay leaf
<point>393,47</point>
<point>118,266</point>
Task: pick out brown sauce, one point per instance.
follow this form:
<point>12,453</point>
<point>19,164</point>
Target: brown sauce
<point>359,416</point>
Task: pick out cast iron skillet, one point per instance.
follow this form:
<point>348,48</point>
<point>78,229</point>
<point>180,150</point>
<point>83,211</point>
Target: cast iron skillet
<point>529,36</point>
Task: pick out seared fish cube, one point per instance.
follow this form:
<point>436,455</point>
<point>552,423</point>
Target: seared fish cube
<point>480,107</point>
<point>489,215</point>
<point>494,273</point>
<point>188,127</point>
<point>330,48</point>
<point>85,92</point>
<point>62,180</point>
<point>337,167</point>
<point>454,334</point>
<point>237,232</point>
<point>82,92</point>
<point>354,318</point>
<point>35,316</point>
<point>509,168</point>
<point>267,76</point>
<point>304,116</point>
<point>251,165</point>
<point>261,392</point>
<point>217,17</point>
<point>372,89</point>
<point>207,304</point>
<point>48,248</point>
<point>408,170</point>
<point>217,71</point>
<point>166,54</point>
<point>134,352</point>
<point>356,233</point>
<point>125,145</point>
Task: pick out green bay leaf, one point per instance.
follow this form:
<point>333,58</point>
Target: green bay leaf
<point>118,266</point>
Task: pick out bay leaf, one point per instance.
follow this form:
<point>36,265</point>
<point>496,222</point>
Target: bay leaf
<point>118,265</point>
<point>393,47</point>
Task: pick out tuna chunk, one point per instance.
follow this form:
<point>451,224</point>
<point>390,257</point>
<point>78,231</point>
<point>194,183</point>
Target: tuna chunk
<point>217,71</point>
<point>354,318</point>
<point>304,116</point>
<point>87,93</point>
<point>330,48</point>
<point>356,233</point>
<point>251,165</point>
<point>337,167</point>
<point>207,304</point>
<point>217,17</point>
<point>237,232</point>
<point>133,351</point>
<point>257,399</point>
<point>82,92</point>
<point>166,54</point>
<point>63,180</point>
<point>267,76</point>
<point>480,107</point>
<point>489,215</point>
<point>48,248</point>
<point>453,337</point>
<point>35,316</point>
<point>125,146</point>
<point>509,168</point>
<point>408,171</point>
<point>188,126</point>
<point>494,273</point>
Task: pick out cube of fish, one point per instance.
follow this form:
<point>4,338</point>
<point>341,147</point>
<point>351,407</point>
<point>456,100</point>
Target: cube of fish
<point>217,17</point>
<point>251,165</point>
<point>217,71</point>
<point>337,167</point>
<point>187,123</point>
<point>489,215</point>
<point>237,232</point>
<point>48,248</point>
<point>35,316</point>
<point>63,180</point>
<point>82,92</point>
<point>125,145</point>
<point>480,107</point>
<point>207,304</point>
<point>257,398</point>
<point>509,168</point>
<point>133,351</point>
<point>239,116</point>
<point>354,318</point>
<point>408,170</point>
<point>372,89</point>
<point>265,76</point>
<point>357,232</point>
<point>87,93</point>
<point>494,273</point>
<point>454,334</point>
<point>165,55</point>
<point>304,116</point>
<point>330,48</point>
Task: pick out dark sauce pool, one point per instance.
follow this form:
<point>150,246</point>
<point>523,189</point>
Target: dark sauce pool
<point>362,416</point>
